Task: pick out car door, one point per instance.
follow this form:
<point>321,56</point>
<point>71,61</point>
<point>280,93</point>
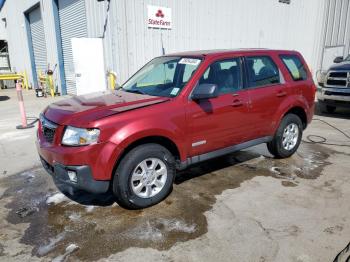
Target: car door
<point>267,91</point>
<point>219,122</point>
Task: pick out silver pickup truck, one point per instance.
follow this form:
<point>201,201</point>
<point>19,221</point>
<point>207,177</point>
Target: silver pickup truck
<point>334,86</point>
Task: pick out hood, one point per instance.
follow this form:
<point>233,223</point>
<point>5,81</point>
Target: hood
<point>344,66</point>
<point>91,107</point>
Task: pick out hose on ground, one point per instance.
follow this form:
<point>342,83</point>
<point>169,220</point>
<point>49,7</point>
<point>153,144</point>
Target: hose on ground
<point>316,139</point>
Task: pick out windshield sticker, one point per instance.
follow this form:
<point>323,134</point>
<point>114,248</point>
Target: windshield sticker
<point>189,61</point>
<point>174,91</point>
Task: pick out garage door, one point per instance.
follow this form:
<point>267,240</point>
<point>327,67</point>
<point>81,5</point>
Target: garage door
<point>38,40</point>
<point>72,18</point>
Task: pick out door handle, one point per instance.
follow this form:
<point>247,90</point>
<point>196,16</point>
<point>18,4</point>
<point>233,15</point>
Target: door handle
<point>237,102</point>
<point>281,93</point>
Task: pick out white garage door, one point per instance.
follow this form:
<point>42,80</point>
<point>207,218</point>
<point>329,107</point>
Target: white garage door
<point>38,40</point>
<point>72,17</point>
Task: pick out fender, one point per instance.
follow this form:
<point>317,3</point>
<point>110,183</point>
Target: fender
<point>289,103</point>
<point>135,131</point>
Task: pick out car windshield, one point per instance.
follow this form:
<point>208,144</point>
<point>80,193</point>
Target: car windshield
<point>347,58</point>
<point>163,76</point>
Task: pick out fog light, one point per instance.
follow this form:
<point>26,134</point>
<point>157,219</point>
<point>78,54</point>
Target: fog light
<point>72,176</point>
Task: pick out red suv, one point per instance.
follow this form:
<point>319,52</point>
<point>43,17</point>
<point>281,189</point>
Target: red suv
<point>176,111</point>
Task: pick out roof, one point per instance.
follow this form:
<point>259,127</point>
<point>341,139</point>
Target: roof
<point>214,52</point>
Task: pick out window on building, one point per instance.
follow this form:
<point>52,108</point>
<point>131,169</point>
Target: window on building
<point>226,74</point>
<point>295,67</point>
<point>261,71</point>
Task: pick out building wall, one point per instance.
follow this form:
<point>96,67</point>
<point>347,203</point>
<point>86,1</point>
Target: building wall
<point>197,24</point>
<point>3,31</point>
<point>207,24</point>
<point>17,33</point>
<point>336,31</point>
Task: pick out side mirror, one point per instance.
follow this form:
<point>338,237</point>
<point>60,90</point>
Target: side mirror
<point>338,59</point>
<point>205,91</point>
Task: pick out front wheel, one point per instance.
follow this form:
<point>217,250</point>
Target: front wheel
<point>287,138</point>
<point>144,177</point>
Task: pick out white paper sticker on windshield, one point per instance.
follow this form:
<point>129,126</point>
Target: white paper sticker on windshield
<point>174,91</point>
<point>190,61</point>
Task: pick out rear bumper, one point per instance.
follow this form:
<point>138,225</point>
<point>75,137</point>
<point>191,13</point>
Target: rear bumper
<point>84,179</point>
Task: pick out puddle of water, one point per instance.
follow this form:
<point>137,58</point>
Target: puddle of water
<point>43,250</point>
<point>98,227</point>
<point>69,250</point>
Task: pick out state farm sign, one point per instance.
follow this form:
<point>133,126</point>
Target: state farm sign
<point>159,17</point>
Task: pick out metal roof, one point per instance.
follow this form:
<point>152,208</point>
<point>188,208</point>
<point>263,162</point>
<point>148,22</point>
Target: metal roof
<point>215,52</point>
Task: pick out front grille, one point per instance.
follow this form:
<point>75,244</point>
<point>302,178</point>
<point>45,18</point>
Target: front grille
<point>339,79</point>
<point>338,74</point>
<point>336,82</point>
<point>48,128</point>
<point>49,134</point>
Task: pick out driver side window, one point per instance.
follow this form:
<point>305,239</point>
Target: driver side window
<point>226,74</point>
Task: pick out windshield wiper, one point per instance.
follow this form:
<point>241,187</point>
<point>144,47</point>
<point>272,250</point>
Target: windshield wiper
<point>136,91</point>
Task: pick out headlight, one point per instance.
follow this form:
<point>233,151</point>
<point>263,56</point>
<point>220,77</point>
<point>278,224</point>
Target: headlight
<point>74,136</point>
<point>321,77</point>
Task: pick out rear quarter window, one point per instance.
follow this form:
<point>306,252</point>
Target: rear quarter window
<point>295,67</point>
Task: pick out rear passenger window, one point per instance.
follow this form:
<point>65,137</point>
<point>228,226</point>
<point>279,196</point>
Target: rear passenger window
<point>295,67</point>
<point>261,71</point>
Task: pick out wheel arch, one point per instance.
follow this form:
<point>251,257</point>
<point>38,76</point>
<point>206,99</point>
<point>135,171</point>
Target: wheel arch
<point>300,112</point>
<point>155,139</point>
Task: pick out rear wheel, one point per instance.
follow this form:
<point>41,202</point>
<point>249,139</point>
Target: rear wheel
<point>144,177</point>
<point>287,138</point>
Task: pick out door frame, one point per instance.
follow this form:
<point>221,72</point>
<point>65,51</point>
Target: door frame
<point>30,41</point>
<point>59,46</point>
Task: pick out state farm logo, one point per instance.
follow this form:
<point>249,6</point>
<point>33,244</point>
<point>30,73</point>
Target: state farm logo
<point>159,17</point>
<point>160,13</point>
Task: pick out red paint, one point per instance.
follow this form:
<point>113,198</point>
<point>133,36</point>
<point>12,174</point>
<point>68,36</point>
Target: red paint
<point>221,121</point>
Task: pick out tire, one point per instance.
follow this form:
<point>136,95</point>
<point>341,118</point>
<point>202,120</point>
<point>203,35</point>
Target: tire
<point>284,146</point>
<point>136,184</point>
<point>326,108</point>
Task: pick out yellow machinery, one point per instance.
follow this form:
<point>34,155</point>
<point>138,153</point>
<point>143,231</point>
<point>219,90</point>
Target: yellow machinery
<point>16,76</point>
<point>112,79</point>
<point>46,83</point>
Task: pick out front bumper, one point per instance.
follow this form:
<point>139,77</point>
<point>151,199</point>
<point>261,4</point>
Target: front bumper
<point>334,96</point>
<point>84,181</point>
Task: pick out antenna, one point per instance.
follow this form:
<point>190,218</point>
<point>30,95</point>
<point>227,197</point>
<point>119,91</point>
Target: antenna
<point>161,39</point>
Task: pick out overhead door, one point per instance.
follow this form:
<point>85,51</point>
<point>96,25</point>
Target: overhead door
<point>72,18</point>
<point>38,41</point>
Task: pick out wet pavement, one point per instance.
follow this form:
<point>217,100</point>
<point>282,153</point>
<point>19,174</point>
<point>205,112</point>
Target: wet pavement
<point>78,226</point>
